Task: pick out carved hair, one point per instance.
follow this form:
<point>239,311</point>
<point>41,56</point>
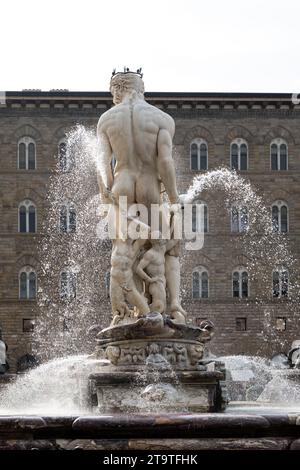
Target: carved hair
<point>128,81</point>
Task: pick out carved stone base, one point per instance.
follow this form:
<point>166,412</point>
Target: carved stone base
<point>157,392</point>
<point>154,365</point>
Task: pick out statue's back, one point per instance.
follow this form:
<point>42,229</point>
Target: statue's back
<point>147,121</point>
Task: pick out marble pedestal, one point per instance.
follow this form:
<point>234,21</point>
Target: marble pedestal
<point>195,391</point>
<point>154,365</point>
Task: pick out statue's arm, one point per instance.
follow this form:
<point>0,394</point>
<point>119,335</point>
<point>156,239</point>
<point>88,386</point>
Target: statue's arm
<point>171,245</point>
<point>104,170</point>
<point>140,270</point>
<point>166,166</point>
<point>138,244</point>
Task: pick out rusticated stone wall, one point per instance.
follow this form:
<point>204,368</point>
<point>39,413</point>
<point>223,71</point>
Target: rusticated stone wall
<point>258,119</point>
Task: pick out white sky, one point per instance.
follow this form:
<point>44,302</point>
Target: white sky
<point>187,45</point>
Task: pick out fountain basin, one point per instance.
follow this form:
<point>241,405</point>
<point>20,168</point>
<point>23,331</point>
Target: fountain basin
<point>260,430</point>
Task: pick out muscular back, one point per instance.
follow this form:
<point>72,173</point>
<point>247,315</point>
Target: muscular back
<point>132,130</point>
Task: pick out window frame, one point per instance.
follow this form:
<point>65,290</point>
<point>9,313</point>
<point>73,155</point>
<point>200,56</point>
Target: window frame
<point>239,142</point>
<point>27,270</point>
<point>26,140</point>
<point>195,203</point>
<point>27,203</point>
<point>199,141</point>
<point>32,325</point>
<point>240,270</point>
<point>237,320</point>
<point>278,142</point>
<point>279,204</point>
<point>200,270</point>
<point>69,206</point>
<point>280,271</point>
<point>284,321</point>
<point>239,218</point>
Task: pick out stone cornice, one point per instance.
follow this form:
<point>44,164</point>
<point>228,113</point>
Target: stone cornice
<point>167,100</point>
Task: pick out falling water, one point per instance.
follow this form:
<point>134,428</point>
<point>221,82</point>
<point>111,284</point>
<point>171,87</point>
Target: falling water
<point>263,250</point>
<point>56,387</point>
<point>283,388</point>
<point>256,379</point>
<point>63,325</point>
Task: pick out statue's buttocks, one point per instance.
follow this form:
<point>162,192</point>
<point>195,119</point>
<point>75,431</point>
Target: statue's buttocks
<point>133,129</point>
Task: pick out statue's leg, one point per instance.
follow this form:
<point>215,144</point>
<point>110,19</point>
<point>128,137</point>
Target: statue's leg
<point>137,300</point>
<point>117,297</point>
<point>158,293</point>
<point>147,292</point>
<point>173,282</point>
<point>138,282</point>
<point>123,195</point>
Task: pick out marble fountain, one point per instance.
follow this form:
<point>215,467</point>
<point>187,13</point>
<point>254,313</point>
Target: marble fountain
<point>150,381</point>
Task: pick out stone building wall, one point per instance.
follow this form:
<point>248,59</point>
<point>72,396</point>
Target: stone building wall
<point>218,119</point>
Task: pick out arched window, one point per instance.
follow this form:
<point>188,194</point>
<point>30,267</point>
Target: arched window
<point>26,154</point>
<point>280,217</point>
<point>67,285</point>
<point>27,283</point>
<point>239,219</point>
<point>27,217</point>
<point>200,217</point>
<point>199,155</point>
<point>67,218</point>
<point>62,155</point>
<point>280,283</point>
<point>200,283</point>
<point>239,155</point>
<point>279,155</point>
<point>240,283</point>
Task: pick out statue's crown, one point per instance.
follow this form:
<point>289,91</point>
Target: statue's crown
<point>127,70</point>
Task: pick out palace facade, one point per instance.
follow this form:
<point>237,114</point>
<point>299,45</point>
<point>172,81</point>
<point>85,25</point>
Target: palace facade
<point>258,135</point>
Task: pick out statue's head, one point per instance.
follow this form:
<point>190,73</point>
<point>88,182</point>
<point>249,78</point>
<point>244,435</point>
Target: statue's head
<point>126,83</point>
